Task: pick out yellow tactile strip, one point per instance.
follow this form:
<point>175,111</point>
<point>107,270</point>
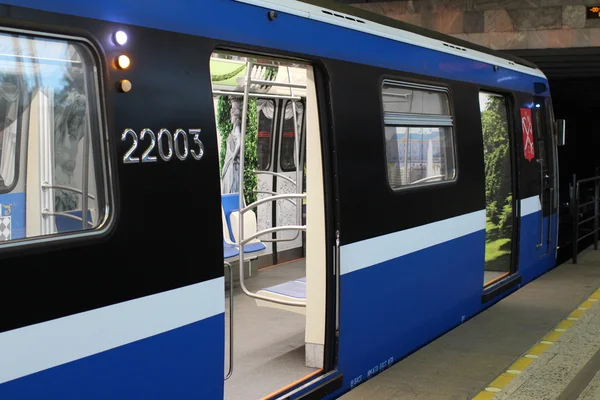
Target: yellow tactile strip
<point>536,350</point>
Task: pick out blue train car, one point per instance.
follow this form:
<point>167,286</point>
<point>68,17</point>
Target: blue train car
<point>378,185</point>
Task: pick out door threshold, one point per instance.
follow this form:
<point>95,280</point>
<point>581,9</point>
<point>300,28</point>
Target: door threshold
<point>315,389</point>
<point>501,286</point>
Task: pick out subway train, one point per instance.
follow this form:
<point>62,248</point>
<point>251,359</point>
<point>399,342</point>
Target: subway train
<point>282,198</point>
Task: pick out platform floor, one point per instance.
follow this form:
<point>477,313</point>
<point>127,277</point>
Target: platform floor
<point>471,358</point>
<point>269,343</point>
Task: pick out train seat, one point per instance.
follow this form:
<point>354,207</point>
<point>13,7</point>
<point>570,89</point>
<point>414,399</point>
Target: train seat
<point>68,224</point>
<point>230,250</point>
<point>291,290</point>
<point>230,205</point>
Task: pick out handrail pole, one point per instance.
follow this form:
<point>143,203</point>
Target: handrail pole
<point>575,208</point>
<point>242,154</point>
<point>64,187</point>
<point>287,178</point>
<point>541,203</point>
<point>261,95</point>
<point>279,84</point>
<point>62,214</point>
<point>268,199</point>
<point>274,194</point>
<point>596,215</point>
<point>230,371</point>
<point>549,239</point>
<point>296,153</point>
<point>86,161</point>
<point>273,229</point>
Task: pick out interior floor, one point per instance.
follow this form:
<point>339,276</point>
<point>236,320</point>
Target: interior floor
<point>489,276</point>
<point>268,343</point>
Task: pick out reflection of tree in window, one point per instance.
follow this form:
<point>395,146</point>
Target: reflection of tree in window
<point>69,128</point>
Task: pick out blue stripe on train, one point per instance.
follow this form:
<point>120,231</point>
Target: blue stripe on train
<point>237,22</point>
<point>402,304</point>
<point>183,363</point>
<point>390,309</point>
<point>534,261</point>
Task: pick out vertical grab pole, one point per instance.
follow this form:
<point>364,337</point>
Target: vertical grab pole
<point>541,203</point>
<point>230,371</point>
<point>596,214</point>
<point>86,160</point>
<point>575,209</point>
<point>242,154</point>
<point>296,154</point>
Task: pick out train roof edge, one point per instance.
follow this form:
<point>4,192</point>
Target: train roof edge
<point>299,7</point>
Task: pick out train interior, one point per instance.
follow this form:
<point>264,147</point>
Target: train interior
<point>274,236</point>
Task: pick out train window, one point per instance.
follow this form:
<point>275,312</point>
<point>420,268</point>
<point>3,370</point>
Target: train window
<point>418,134</point>
<point>50,147</point>
<point>266,119</point>
<point>288,136</point>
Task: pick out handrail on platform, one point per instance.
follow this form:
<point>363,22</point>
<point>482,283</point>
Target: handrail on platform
<point>576,208</point>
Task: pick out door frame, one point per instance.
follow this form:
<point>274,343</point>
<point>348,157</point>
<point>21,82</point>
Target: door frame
<point>492,288</point>
<point>329,378</point>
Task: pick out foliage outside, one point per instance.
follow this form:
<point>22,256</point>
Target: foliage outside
<point>225,127</point>
<point>498,191</point>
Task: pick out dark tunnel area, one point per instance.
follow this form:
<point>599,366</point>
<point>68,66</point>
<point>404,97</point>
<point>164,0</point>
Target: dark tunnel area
<point>574,77</point>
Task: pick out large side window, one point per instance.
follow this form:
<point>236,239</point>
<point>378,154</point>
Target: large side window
<point>288,136</point>
<point>418,134</point>
<point>51,153</point>
<point>266,119</point>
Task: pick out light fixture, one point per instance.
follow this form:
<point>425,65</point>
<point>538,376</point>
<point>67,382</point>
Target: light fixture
<point>123,61</point>
<point>120,37</point>
<point>124,86</point>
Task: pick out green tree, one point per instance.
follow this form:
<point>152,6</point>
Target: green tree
<point>225,126</point>
<point>497,159</point>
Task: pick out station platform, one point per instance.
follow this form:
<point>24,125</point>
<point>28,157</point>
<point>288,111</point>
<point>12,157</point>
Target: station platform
<point>541,342</point>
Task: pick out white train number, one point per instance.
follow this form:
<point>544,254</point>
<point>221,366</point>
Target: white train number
<point>167,145</point>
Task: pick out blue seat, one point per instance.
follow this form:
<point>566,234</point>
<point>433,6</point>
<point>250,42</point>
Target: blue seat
<point>229,251</point>
<point>230,203</point>
<point>66,224</point>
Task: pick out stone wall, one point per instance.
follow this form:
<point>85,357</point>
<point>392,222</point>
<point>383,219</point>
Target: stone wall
<point>509,24</point>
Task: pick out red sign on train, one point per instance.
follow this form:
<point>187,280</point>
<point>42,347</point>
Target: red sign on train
<point>527,134</point>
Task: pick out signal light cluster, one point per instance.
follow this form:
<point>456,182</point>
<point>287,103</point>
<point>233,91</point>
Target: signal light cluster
<point>123,62</point>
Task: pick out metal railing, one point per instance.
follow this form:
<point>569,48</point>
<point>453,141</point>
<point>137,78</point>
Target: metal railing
<point>585,209</point>
<point>230,368</point>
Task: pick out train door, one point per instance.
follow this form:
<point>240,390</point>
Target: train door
<point>545,152</point>
<point>499,187</point>
<point>276,323</point>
